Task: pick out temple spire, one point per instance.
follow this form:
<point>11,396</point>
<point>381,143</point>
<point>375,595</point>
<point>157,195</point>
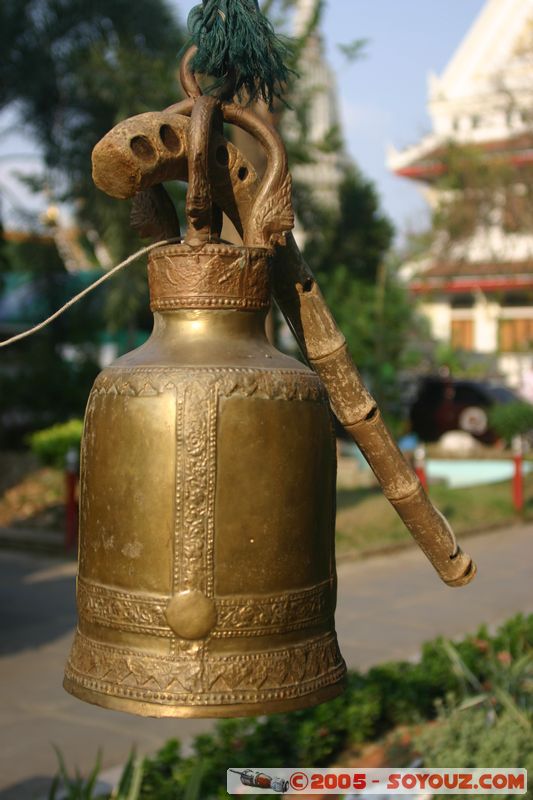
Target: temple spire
<point>303,15</point>
<point>316,93</point>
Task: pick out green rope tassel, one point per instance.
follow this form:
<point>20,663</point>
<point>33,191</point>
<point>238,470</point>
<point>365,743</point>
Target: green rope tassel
<point>237,47</point>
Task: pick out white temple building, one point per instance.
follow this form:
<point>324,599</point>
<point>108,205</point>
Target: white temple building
<point>478,296</point>
<point>316,92</point>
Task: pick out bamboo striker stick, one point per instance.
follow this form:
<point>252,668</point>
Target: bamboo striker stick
<point>324,346</point>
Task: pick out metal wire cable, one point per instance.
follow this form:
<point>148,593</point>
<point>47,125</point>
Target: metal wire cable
<point>87,290</point>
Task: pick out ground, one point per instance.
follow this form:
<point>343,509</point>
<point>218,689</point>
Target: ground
<point>31,500</point>
<point>388,606</point>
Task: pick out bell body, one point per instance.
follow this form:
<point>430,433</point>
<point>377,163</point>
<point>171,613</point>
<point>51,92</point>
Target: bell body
<point>207,582</point>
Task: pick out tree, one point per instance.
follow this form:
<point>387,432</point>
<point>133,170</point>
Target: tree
<point>357,236</point>
<point>348,248</point>
<point>349,253</point>
<point>73,70</point>
<point>478,190</point>
<point>484,173</point>
<point>45,378</point>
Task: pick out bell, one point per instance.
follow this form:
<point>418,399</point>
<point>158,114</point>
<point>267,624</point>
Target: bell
<point>207,582</point>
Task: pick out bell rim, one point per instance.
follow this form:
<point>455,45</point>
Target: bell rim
<point>159,711</point>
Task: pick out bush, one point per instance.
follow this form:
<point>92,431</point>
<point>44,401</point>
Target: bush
<point>52,444</point>
<point>389,695</point>
<point>511,419</point>
<point>474,739</point>
<point>392,694</point>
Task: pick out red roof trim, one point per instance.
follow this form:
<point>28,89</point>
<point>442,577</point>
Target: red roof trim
<point>460,286</point>
<point>421,171</point>
<point>431,167</point>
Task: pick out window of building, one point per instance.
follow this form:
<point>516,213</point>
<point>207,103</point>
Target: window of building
<point>516,299</point>
<point>462,334</point>
<point>516,335</point>
<point>462,301</point>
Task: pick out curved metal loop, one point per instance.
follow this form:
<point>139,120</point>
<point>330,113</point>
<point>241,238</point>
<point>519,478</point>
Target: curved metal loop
<point>204,219</point>
<point>191,87</point>
<point>262,213</point>
<point>270,217</point>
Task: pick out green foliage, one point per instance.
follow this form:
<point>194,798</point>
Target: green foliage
<point>474,739</point>
<point>348,253</point>
<point>478,188</point>
<point>74,787</point>
<point>141,779</point>
<point>357,238</point>
<point>46,378</point>
<point>507,684</point>
<point>102,61</point>
<point>73,70</point>
<point>469,181</point>
<point>511,419</point>
<point>387,696</point>
<point>462,363</point>
<point>515,636</point>
<point>52,444</point>
<point>355,50</point>
<point>347,248</point>
<point>129,786</point>
<point>332,141</point>
<point>38,387</point>
<point>163,776</point>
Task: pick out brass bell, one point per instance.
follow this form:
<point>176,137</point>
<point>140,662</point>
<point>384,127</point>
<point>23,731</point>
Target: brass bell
<point>207,582</point>
<point>207,578</point>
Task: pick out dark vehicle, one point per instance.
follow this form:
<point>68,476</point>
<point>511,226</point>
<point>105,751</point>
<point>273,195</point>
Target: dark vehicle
<point>447,404</point>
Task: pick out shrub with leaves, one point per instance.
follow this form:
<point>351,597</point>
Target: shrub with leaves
<point>52,444</point>
<point>491,724</point>
<point>475,738</point>
<point>74,787</point>
<point>141,779</point>
<point>511,419</point>
<point>489,676</point>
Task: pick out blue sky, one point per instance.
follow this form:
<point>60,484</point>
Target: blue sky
<point>384,96</point>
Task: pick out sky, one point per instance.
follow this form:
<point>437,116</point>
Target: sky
<point>383,97</point>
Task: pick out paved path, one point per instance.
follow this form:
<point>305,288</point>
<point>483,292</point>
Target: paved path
<point>388,606</point>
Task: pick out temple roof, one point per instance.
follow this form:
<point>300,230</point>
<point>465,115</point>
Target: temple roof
<point>496,39</point>
<point>424,161</point>
<point>485,94</point>
<point>455,277</point>
<point>442,269</point>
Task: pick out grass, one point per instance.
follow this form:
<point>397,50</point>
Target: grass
<point>36,500</point>
<point>366,522</point>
